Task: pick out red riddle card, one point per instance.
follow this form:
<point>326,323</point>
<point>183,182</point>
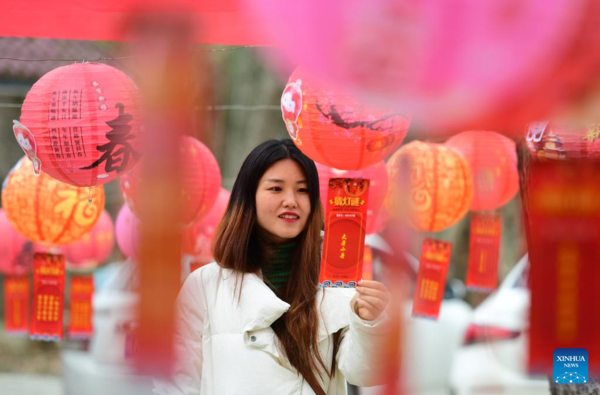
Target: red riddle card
<point>16,304</point>
<point>562,207</point>
<point>345,224</point>
<point>484,249</point>
<point>48,297</point>
<point>80,317</point>
<point>431,279</point>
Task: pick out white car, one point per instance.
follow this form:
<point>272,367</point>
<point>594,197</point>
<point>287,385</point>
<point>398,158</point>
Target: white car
<point>428,346</point>
<point>492,359</point>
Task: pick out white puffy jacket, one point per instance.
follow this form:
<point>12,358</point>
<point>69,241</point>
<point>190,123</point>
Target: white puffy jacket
<point>226,346</point>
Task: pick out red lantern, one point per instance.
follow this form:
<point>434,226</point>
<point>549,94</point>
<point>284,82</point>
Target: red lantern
<point>197,239</point>
<point>430,183</point>
<point>377,174</point>
<point>127,230</point>
<point>493,161</point>
<point>201,181</point>
<point>16,252</point>
<point>81,123</point>
<point>335,129</point>
<point>94,247</point>
<point>47,211</point>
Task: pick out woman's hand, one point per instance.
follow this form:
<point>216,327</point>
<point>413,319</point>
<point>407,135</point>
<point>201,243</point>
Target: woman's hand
<point>373,297</point>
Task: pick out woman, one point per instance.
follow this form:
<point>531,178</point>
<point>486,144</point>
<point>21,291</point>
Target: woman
<point>255,322</point>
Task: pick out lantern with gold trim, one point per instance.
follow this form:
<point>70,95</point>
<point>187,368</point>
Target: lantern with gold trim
<point>47,211</point>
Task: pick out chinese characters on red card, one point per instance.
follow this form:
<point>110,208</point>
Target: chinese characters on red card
<point>562,208</point>
<point>16,304</point>
<point>48,297</point>
<point>345,224</point>
<point>80,318</point>
<point>431,279</point>
<point>484,248</point>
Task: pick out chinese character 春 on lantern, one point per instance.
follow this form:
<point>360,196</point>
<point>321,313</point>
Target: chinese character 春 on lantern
<point>430,185</point>
<point>336,129</point>
<point>94,247</point>
<point>81,123</point>
<point>493,161</point>
<point>47,211</point>
<point>201,179</point>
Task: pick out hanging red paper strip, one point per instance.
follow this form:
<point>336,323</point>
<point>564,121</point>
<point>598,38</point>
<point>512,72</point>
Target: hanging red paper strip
<point>431,279</point>
<point>16,304</point>
<point>484,249</point>
<point>80,317</point>
<point>563,229</point>
<point>345,224</point>
<point>367,273</point>
<point>48,297</point>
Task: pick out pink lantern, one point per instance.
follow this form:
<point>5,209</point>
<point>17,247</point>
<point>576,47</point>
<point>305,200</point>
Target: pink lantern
<point>447,63</point>
<point>94,247</point>
<point>16,252</point>
<point>80,124</point>
<point>197,238</point>
<point>377,191</point>
<point>493,161</point>
<point>201,180</point>
<point>127,231</point>
<point>336,129</point>
<point>377,220</point>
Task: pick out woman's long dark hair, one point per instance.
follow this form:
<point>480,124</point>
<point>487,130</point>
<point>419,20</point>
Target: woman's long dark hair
<point>237,246</point>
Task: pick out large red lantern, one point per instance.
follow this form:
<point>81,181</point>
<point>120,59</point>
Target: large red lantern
<point>335,129</point>
<point>16,252</point>
<point>94,247</point>
<point>47,211</point>
<point>493,161</point>
<point>435,59</point>
<point>201,179</point>
<point>430,184</point>
<point>377,174</point>
<point>197,239</point>
<point>81,124</point>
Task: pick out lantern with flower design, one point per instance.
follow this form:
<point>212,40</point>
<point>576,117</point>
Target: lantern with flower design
<point>336,129</point>
<point>47,211</point>
<point>430,185</point>
<point>81,124</point>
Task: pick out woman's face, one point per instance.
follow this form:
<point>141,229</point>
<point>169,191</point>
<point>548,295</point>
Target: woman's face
<point>282,201</point>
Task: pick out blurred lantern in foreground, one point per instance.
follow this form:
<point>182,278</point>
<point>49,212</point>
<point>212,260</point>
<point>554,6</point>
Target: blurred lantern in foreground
<point>378,188</point>
<point>80,124</point>
<point>16,252</point>
<point>493,161</point>
<point>47,211</point>
<point>94,247</point>
<point>560,141</point>
<point>438,183</point>
<point>201,178</point>
<point>197,239</point>
<point>335,129</point>
<point>355,44</point>
<point>127,232</point>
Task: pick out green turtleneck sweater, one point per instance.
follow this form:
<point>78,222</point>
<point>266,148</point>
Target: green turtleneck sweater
<point>277,269</point>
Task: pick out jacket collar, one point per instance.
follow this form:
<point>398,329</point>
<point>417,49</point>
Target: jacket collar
<point>260,306</point>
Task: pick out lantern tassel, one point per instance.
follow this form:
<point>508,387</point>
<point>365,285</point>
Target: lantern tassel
<point>91,193</point>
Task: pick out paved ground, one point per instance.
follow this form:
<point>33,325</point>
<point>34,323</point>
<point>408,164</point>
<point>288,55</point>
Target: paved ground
<point>30,384</point>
